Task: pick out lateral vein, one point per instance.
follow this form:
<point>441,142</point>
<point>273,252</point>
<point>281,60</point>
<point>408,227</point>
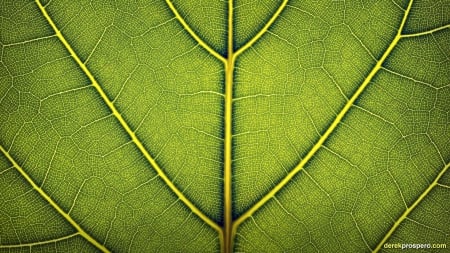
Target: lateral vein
<point>126,127</point>
<point>193,34</point>
<point>45,196</point>
<point>251,42</point>
<point>31,244</point>
<point>329,131</point>
<point>412,207</point>
<point>409,35</point>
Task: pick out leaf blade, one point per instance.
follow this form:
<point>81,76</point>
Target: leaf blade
<point>44,195</point>
<point>125,125</point>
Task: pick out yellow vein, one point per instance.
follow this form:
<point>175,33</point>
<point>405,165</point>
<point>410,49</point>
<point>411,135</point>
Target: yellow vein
<point>412,207</point>
<point>228,234</point>
<point>409,35</point>
<point>443,185</point>
<point>125,125</point>
<point>53,203</point>
<point>251,42</point>
<point>193,34</point>
<point>328,132</point>
<point>28,41</point>
<point>227,174</point>
<point>31,244</point>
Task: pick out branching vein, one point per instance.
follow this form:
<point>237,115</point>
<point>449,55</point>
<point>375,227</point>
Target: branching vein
<point>193,34</point>
<point>229,228</point>
<point>329,131</point>
<point>228,231</point>
<point>126,127</point>
<point>266,27</point>
<point>44,195</point>
<point>412,207</point>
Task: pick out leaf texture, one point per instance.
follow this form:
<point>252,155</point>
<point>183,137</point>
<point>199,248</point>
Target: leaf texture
<point>224,126</point>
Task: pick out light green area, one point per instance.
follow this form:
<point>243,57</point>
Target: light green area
<point>208,18</point>
<point>25,213</point>
<point>250,18</point>
<point>430,218</point>
<point>427,15</point>
<point>80,134</point>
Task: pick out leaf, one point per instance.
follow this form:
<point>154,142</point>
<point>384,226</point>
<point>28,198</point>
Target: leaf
<point>245,126</point>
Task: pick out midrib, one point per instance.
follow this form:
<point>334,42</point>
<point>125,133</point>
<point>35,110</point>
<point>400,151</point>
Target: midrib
<point>230,227</point>
<point>227,175</point>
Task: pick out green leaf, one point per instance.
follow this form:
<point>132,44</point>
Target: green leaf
<point>232,126</point>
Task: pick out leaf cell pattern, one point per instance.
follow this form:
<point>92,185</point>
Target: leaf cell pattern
<point>223,126</point>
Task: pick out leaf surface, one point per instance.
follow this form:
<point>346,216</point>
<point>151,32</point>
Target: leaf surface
<point>233,126</point>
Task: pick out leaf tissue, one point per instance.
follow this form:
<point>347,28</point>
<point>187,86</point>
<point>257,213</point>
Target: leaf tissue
<point>224,126</point>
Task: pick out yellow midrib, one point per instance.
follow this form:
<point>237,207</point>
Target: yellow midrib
<point>49,200</point>
<point>228,114</point>
<point>228,231</point>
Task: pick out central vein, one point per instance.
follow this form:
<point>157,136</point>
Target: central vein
<point>229,69</point>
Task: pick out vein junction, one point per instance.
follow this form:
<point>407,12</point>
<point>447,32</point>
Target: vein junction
<point>228,231</point>
<point>52,203</point>
<point>124,124</point>
<point>328,131</point>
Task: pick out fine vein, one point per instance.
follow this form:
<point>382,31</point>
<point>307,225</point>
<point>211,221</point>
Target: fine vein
<point>45,196</point>
<point>193,34</point>
<point>412,207</point>
<point>329,131</point>
<point>32,244</point>
<point>408,35</point>
<point>251,42</point>
<point>125,125</point>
